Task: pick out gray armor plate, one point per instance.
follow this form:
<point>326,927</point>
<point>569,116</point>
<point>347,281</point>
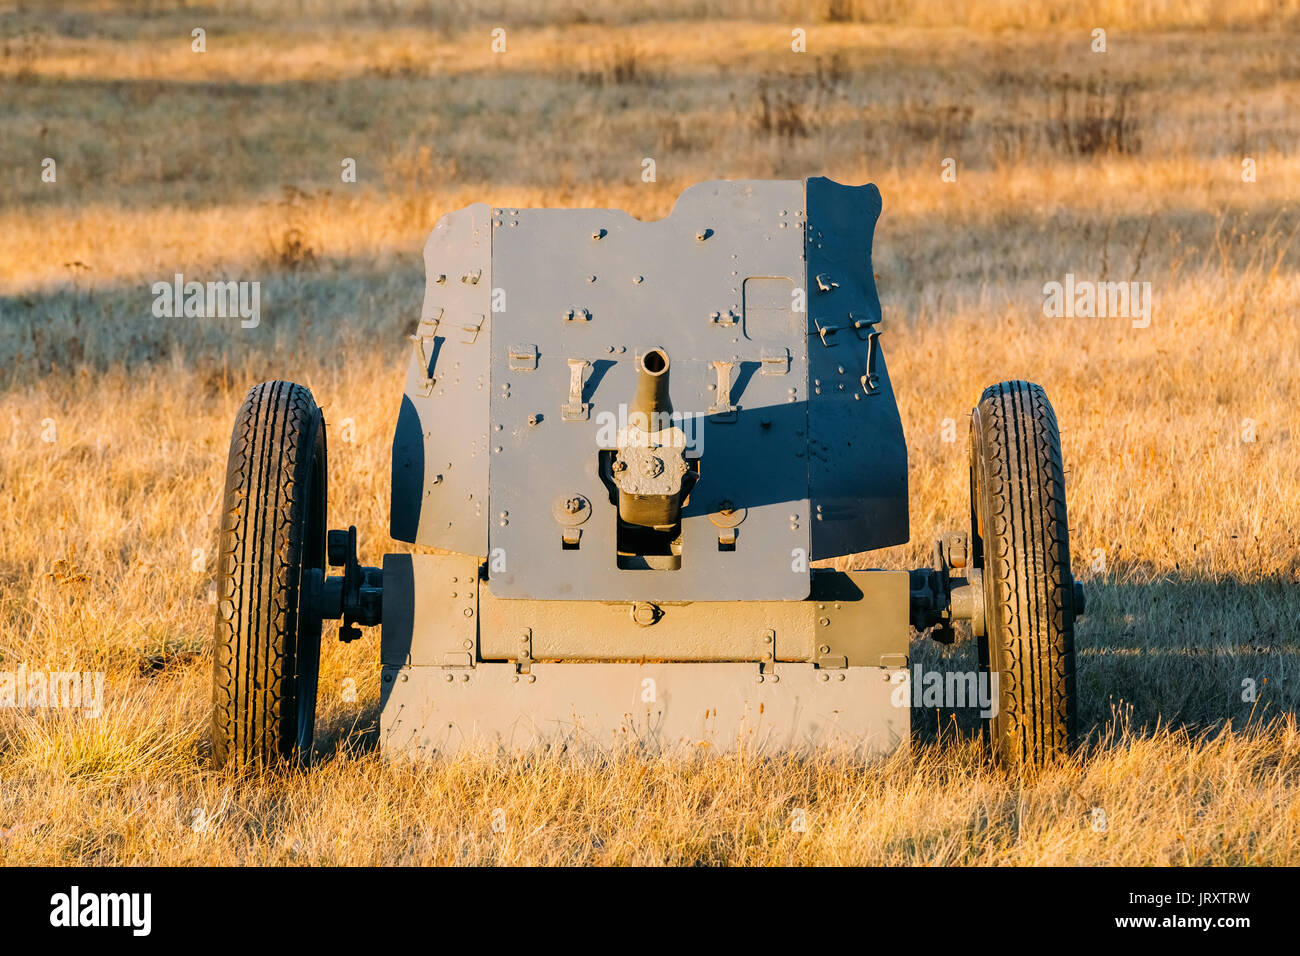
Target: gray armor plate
<point>524,365</point>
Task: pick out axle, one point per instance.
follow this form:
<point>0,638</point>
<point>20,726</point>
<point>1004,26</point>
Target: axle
<point>355,596</point>
<point>952,591</point>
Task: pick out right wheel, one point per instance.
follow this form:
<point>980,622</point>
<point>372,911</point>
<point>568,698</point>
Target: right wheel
<point>1020,541</point>
<point>267,643</point>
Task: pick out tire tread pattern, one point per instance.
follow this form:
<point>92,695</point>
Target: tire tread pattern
<point>1027,572</point>
<point>254,713</point>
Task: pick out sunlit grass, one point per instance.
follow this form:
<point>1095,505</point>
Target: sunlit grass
<point>1180,439</point>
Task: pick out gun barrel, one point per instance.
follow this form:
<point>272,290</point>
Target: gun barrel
<point>650,467</point>
<point>652,387</point>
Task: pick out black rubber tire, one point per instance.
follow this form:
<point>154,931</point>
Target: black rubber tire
<point>266,650</point>
<point>1020,540</point>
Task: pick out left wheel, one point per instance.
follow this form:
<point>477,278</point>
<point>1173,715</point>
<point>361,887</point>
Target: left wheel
<point>266,649</point>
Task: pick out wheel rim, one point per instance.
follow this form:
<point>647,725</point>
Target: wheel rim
<point>307,663</point>
<point>988,652</point>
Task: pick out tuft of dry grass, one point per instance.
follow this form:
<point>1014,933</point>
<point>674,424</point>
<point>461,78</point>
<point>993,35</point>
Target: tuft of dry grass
<point>1180,439</point>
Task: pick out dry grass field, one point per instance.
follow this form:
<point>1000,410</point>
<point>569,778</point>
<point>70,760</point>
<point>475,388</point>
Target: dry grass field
<point>1181,440</point>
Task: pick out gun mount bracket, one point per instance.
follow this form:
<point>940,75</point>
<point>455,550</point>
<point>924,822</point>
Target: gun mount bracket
<point>356,596</point>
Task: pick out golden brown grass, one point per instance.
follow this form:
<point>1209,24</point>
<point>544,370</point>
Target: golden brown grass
<point>214,164</point>
<point>1167,799</point>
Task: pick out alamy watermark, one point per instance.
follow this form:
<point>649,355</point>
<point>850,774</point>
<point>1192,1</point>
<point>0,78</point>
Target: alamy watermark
<point>1086,299</point>
<point>32,689</point>
<point>208,300</point>
<point>918,687</point>
<point>671,429</point>
<point>133,911</point>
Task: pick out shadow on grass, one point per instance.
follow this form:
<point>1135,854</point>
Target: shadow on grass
<point>347,737</point>
<point>1177,653</point>
<point>342,308</point>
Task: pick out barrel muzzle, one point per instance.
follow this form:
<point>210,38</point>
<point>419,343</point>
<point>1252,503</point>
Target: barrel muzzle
<point>650,468</point>
<point>651,407</point>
